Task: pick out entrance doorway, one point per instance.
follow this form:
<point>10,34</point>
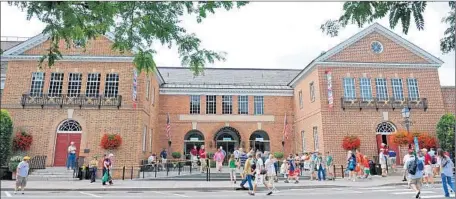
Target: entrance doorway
<point>259,140</point>
<point>68,131</point>
<point>384,133</point>
<point>228,138</point>
<point>191,139</point>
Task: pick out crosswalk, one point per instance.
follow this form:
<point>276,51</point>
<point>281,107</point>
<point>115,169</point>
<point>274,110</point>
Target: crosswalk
<point>426,192</point>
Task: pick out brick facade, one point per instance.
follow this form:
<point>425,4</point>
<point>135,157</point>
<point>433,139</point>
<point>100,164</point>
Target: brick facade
<point>308,115</point>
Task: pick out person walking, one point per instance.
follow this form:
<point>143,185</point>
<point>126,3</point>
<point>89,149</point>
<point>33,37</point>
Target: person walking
<point>22,172</point>
<point>405,160</point>
<point>233,166</point>
<point>351,166</point>
<point>248,173</point>
<point>107,166</point>
<point>194,156</point>
<point>71,160</point>
<point>313,166</point>
<point>428,173</point>
<point>93,168</point>
<point>163,157</point>
<point>321,168</point>
<point>359,164</point>
<point>446,172</point>
<point>259,173</point>
<point>218,158</point>
<point>382,159</point>
<point>271,170</point>
<point>202,155</point>
<point>329,164</point>
<point>415,167</point>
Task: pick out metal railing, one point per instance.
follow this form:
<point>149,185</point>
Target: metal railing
<point>70,100</point>
<point>390,103</point>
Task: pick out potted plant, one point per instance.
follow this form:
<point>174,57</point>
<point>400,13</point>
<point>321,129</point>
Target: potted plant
<point>22,141</point>
<point>278,155</point>
<point>110,141</point>
<point>176,155</point>
<point>351,142</point>
<point>13,163</point>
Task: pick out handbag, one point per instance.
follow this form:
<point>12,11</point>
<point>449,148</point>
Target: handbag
<point>263,171</point>
<point>105,177</point>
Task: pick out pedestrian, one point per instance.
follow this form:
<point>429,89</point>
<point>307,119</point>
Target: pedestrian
<point>383,162</point>
<point>321,168</point>
<point>202,155</point>
<point>93,168</point>
<point>194,156</point>
<point>242,159</point>
<point>313,166</point>
<point>107,166</point>
<point>71,156</point>
<point>428,173</point>
<point>446,172</point>
<point>233,166</point>
<point>22,172</point>
<point>218,158</point>
<point>405,160</point>
<point>415,167</point>
<point>248,173</point>
<point>284,170</point>
<point>329,164</point>
<point>392,160</point>
<point>351,166</point>
<point>272,172</point>
<point>237,154</point>
<point>366,167</point>
<point>164,156</point>
<point>260,173</point>
<point>293,171</point>
<point>359,164</point>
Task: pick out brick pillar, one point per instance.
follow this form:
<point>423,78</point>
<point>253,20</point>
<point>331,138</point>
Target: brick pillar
<point>235,104</point>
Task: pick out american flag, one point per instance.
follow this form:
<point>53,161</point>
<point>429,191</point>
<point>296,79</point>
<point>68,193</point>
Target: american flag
<point>285,127</point>
<point>168,127</point>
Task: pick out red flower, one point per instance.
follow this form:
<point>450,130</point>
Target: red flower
<point>351,142</point>
<point>22,141</point>
<point>424,140</point>
<point>110,141</point>
<point>400,138</point>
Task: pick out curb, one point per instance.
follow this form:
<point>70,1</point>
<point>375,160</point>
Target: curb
<point>202,189</point>
<point>404,183</point>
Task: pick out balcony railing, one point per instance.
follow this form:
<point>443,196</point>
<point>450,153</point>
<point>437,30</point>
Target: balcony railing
<point>391,103</point>
<point>71,100</point>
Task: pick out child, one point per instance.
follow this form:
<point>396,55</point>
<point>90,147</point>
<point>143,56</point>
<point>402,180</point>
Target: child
<point>233,167</point>
<point>366,167</point>
<point>284,169</point>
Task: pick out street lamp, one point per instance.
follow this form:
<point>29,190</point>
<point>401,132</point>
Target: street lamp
<point>406,116</point>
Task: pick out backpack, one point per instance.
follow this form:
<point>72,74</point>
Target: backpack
<point>433,160</point>
<point>412,166</point>
<point>420,166</point>
<point>253,165</point>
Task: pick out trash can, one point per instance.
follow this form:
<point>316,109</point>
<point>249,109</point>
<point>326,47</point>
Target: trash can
<point>378,169</point>
<point>372,168</point>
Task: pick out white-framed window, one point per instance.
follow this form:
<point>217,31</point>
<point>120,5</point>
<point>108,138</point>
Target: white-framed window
<point>315,137</point>
<point>74,84</point>
<point>36,88</point>
<point>56,84</point>
<point>2,85</point>
<point>365,88</point>
<point>312,91</point>
<point>195,105</point>
<point>413,91</point>
<point>111,85</point>
<point>227,104</point>
<point>398,92</point>
<point>150,139</point>
<point>382,90</point>
<point>147,87</point>
<point>93,84</point>
<point>303,139</point>
<point>300,99</point>
<point>211,104</point>
<point>349,88</point>
<point>243,104</point>
<point>144,140</point>
<point>258,105</point>
<point>153,95</point>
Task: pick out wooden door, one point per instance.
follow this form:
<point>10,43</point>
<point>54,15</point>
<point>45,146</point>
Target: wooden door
<point>61,147</point>
<point>392,146</point>
<point>379,143</point>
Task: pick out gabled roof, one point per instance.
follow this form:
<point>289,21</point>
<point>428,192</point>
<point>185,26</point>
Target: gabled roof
<point>229,76</point>
<point>376,27</point>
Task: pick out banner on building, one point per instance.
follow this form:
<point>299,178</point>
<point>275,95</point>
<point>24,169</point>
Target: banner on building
<point>135,86</point>
<point>330,92</point>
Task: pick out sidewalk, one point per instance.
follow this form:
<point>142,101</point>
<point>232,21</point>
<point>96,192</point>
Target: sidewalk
<point>135,185</point>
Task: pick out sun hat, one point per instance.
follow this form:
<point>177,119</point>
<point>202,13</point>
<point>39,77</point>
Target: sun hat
<point>26,158</point>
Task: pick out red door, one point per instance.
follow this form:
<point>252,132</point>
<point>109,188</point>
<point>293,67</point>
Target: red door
<point>379,143</point>
<point>392,146</point>
<point>61,147</point>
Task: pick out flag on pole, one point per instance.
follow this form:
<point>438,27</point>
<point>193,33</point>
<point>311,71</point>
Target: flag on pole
<point>285,127</point>
<point>168,127</point>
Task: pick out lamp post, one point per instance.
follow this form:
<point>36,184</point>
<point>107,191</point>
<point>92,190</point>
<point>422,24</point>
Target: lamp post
<point>407,122</point>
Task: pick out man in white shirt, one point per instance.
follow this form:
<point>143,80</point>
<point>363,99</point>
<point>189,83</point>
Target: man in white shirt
<point>71,156</point>
<point>405,160</point>
<point>270,167</point>
<point>259,178</point>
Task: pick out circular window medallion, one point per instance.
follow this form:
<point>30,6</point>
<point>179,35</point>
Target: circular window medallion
<point>376,47</point>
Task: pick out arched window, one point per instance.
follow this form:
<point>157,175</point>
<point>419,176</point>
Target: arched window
<point>194,135</point>
<point>70,125</point>
<point>385,128</point>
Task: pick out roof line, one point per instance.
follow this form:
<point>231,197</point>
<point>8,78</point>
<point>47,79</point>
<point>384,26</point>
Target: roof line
<point>215,68</point>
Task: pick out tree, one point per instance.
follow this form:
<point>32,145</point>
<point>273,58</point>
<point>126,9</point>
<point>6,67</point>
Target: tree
<point>136,26</point>
<point>364,12</point>
<point>445,132</point>
<point>6,132</point>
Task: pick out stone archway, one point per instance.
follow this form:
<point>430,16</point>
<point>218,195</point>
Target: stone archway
<point>192,138</point>
<point>228,138</point>
<point>384,131</point>
<point>68,131</point>
<point>259,139</point>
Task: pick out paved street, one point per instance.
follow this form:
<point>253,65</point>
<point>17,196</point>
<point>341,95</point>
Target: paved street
<point>390,192</point>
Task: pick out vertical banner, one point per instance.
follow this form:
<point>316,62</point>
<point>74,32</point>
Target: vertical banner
<point>135,86</point>
<point>417,146</point>
<point>330,92</point>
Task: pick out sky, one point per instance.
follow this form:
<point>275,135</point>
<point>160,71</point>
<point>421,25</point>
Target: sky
<point>271,34</point>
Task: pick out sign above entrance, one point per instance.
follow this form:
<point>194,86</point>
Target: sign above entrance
<point>226,139</point>
<point>259,139</point>
<point>194,139</point>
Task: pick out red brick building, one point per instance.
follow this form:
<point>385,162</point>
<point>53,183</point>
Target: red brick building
<point>356,88</point>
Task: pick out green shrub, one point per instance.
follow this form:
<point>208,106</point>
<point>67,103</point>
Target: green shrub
<point>14,161</point>
<point>6,136</point>
<point>212,164</point>
<point>210,155</point>
<point>278,155</point>
<point>176,155</point>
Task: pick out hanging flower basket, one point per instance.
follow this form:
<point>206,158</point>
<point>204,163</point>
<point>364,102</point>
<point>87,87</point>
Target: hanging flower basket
<point>424,140</point>
<point>351,142</point>
<point>22,141</point>
<point>111,141</point>
<point>400,138</point>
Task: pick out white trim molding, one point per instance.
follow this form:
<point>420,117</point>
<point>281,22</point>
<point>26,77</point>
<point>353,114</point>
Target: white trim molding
<point>227,118</point>
<point>205,91</point>
<point>126,59</point>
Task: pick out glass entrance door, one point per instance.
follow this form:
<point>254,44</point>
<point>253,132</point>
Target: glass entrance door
<point>189,146</point>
